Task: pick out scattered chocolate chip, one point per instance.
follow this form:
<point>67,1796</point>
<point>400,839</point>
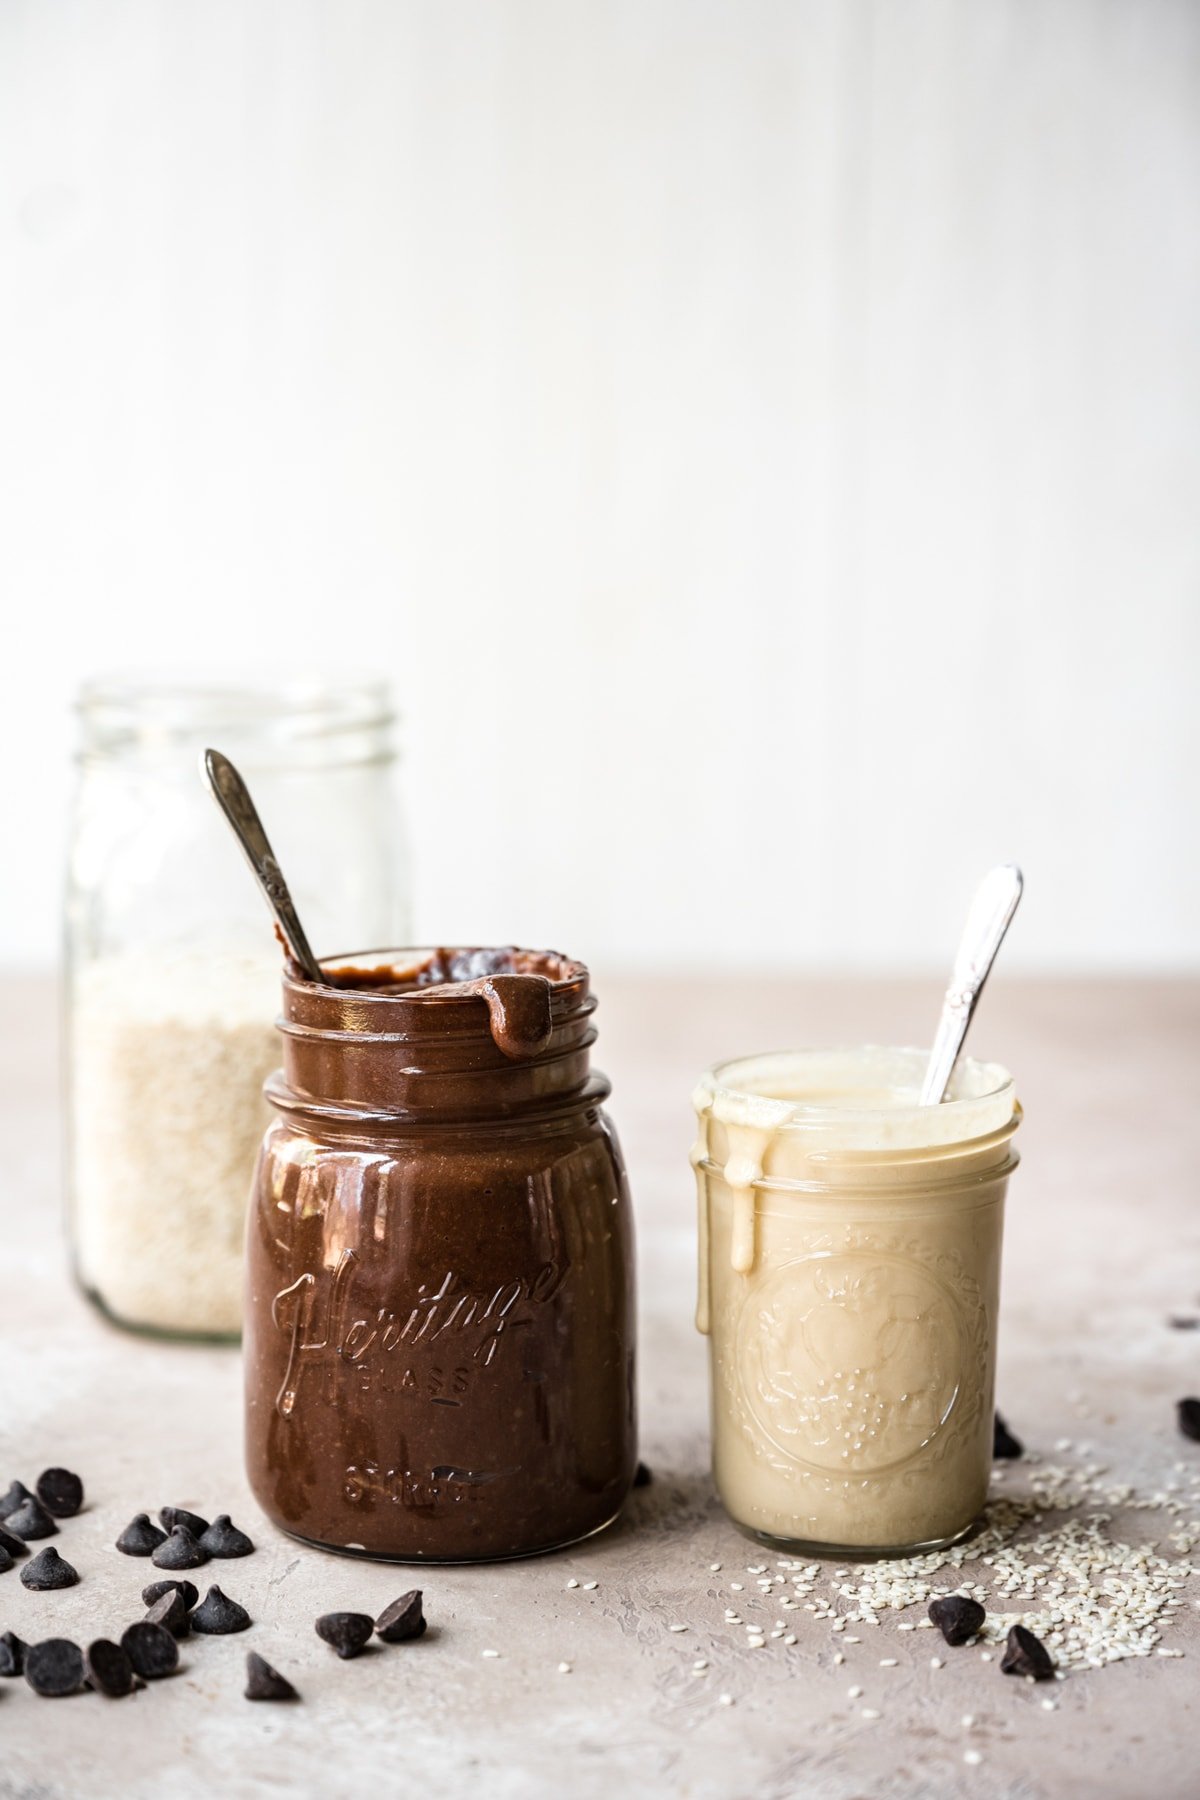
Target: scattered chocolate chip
<point>157,1589</point>
<point>957,1618</point>
<point>181,1551</point>
<point>1025,1654</point>
<point>642,1476</point>
<point>172,1516</point>
<point>11,1545</point>
<point>151,1649</point>
<point>347,1632</point>
<point>6,1561</point>
<point>31,1521</point>
<point>48,1570</point>
<point>170,1612</point>
<point>217,1614</point>
<point>60,1492</point>
<point>1184,1322</point>
<point>224,1539</point>
<point>54,1667</point>
<point>402,1620</point>
<point>12,1654</point>
<point>140,1537</point>
<point>265,1683</point>
<point>108,1668</point>
<point>1189,1418</point>
<point>16,1496</point>
<point>1004,1444</point>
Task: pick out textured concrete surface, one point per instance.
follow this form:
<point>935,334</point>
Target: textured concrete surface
<point>1103,1245</point>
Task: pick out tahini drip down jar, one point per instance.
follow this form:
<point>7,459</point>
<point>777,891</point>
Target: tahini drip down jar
<point>439,1337</point>
<point>849,1284</point>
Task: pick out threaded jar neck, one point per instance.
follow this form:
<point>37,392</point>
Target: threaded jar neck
<point>448,1037</point>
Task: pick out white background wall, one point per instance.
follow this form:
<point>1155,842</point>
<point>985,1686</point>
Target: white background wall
<point>761,438</point>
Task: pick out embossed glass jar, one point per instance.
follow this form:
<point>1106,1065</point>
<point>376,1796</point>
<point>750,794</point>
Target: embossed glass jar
<point>849,1284</point>
<point>439,1320</point>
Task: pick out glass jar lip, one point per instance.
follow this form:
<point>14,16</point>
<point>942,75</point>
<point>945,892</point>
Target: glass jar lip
<point>982,1095</point>
<point>161,706</point>
<point>403,959</point>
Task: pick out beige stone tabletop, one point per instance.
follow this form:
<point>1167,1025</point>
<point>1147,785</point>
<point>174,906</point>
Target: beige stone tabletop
<point>1103,1247</point>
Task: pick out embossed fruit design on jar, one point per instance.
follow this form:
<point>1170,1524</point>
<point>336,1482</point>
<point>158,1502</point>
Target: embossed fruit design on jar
<point>849,1283</point>
<point>439,1331</point>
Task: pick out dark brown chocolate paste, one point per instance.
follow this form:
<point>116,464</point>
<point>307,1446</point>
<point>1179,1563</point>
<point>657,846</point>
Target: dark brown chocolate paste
<point>439,1320</point>
<point>514,983</point>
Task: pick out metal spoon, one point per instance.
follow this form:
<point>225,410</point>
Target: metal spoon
<point>233,797</point>
<point>988,919</point>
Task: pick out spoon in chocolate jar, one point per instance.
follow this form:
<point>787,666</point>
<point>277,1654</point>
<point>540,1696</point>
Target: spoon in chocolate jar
<point>233,797</point>
<point>988,918</point>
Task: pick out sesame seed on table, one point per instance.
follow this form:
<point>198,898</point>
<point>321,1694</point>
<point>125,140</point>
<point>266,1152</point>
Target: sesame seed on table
<point>699,1663</point>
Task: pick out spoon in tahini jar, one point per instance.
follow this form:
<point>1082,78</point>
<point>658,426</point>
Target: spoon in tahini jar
<point>233,797</point>
<point>988,919</point>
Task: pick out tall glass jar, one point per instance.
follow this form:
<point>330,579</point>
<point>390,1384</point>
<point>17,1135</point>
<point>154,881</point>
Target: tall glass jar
<point>171,973</point>
<point>849,1288</point>
<point>440,1317</point>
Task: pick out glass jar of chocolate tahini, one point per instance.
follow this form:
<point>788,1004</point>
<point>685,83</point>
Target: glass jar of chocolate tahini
<point>439,1321</point>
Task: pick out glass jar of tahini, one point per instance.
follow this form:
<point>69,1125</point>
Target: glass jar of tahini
<point>849,1284</point>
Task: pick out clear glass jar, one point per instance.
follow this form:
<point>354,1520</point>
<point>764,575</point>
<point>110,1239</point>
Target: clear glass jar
<point>440,1323</point>
<point>171,972</point>
<point>849,1286</point>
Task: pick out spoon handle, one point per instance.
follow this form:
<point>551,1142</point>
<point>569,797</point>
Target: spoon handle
<point>989,918</point>
<point>233,797</point>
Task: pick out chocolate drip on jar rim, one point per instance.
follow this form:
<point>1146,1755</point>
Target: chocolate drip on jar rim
<point>450,1028</point>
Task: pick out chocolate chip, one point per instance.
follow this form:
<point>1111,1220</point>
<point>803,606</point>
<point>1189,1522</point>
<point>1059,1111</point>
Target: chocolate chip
<point>265,1683</point>
<point>217,1614</point>
<point>48,1570</point>
<point>31,1521</point>
<point>172,1516</point>
<point>140,1537</point>
<point>16,1496</point>
<point>957,1618</point>
<point>1025,1654</point>
<point>151,1649</point>
<point>1004,1444</point>
<point>108,1668</point>
<point>60,1492</point>
<point>12,1546</point>
<point>347,1632</point>
<point>157,1589</point>
<point>6,1561</point>
<point>224,1539</point>
<point>1189,1418</point>
<point>402,1620</point>
<point>181,1551</point>
<point>642,1476</point>
<point>54,1667</point>
<point>170,1612</point>
<point>1184,1322</point>
<point>12,1654</point>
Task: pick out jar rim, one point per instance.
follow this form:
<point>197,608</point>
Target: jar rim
<point>158,708</point>
<point>401,959</point>
<point>739,1092</point>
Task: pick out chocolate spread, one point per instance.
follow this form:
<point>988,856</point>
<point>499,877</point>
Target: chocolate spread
<point>439,1320</point>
